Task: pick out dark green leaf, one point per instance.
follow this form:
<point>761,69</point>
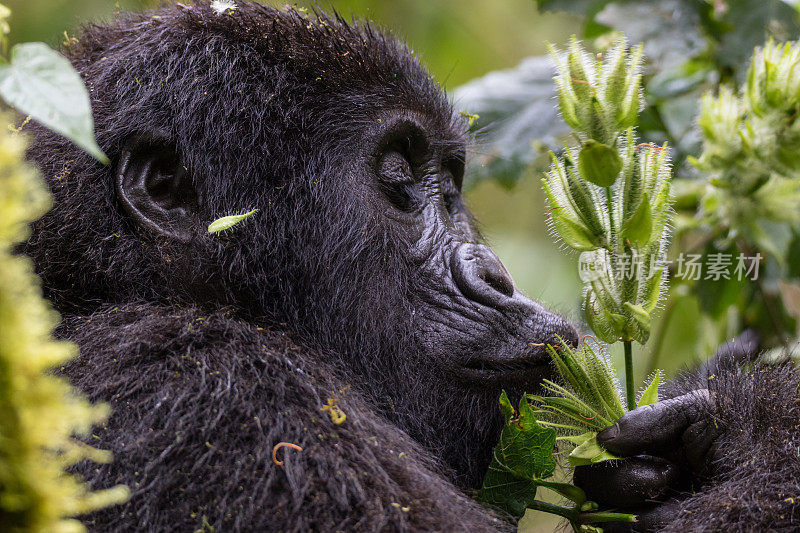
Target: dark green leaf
<point>523,456</point>
<point>751,23</point>
<point>670,31</point>
<point>576,6</point>
<point>40,82</point>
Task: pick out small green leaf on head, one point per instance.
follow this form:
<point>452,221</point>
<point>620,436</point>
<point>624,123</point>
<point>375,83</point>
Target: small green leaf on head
<point>228,222</point>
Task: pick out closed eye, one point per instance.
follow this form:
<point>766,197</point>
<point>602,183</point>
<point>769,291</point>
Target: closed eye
<point>396,178</point>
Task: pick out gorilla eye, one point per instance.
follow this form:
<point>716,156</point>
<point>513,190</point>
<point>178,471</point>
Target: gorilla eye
<point>396,178</point>
<point>455,167</point>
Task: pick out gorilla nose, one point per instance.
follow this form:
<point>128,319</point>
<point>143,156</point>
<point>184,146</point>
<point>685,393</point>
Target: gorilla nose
<point>480,276</point>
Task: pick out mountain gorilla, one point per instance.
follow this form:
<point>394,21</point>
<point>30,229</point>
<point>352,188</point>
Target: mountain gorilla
<point>333,363</point>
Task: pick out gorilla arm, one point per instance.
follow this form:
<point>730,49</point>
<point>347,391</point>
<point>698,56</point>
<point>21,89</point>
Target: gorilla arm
<point>199,401</point>
<point>722,452</point>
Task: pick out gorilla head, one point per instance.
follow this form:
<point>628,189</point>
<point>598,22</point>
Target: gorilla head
<point>361,246</point>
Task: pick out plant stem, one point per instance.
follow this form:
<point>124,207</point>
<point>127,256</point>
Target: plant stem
<point>569,513</point>
<point>609,206</point>
<point>599,517</point>
<point>630,394</point>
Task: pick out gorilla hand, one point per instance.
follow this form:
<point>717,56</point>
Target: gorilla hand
<point>669,447</point>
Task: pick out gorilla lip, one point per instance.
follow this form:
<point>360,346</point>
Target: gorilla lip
<point>504,370</point>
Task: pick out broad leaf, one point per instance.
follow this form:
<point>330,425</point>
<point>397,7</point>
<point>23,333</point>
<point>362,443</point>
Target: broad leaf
<point>751,23</point>
<point>670,31</point>
<point>523,456</point>
<point>228,222</point>
<point>40,82</point>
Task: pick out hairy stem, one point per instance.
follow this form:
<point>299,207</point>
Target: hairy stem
<point>609,206</point>
<point>570,513</point>
<point>630,393</point>
<point>599,517</point>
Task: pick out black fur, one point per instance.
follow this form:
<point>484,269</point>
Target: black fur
<point>753,481</point>
<point>199,402</point>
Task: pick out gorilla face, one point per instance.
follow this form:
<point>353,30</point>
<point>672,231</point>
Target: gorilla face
<point>474,326</point>
<point>362,245</point>
<point>405,291</point>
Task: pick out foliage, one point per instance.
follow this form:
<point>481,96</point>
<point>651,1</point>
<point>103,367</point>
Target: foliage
<point>750,145</point>
<point>40,82</point>
<point>614,204</point>
<point>523,461</point>
<point>609,197</point>
<point>522,458</point>
<point>39,413</point>
<point>227,222</point>
<point>692,46</point>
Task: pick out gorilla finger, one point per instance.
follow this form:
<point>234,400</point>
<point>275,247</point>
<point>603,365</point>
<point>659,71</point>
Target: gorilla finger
<point>655,428</point>
<point>630,483</point>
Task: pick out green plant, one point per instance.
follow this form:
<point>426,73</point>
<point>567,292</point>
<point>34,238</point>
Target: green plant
<point>750,142</point>
<point>609,198</point>
<point>40,413</point>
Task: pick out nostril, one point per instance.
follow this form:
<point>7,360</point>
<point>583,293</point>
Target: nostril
<point>501,283</point>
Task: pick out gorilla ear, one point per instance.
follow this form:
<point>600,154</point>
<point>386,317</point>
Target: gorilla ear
<point>156,190</point>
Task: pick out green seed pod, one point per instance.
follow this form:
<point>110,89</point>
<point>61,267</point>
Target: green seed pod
<point>599,163</point>
<point>628,110</point>
<point>566,222</point>
<point>599,319</point>
<point>638,229</point>
<point>612,76</point>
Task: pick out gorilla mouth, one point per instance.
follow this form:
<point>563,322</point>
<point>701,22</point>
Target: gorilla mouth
<point>524,368</point>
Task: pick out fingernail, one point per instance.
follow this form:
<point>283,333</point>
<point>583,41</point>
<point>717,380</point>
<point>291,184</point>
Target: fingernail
<point>609,433</point>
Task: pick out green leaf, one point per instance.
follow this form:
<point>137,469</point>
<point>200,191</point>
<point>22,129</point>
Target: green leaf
<point>639,227</point>
<point>599,163</point>
<point>40,82</point>
<point>577,440</point>
<point>650,394</point>
<point>523,456</point>
<point>228,222</point>
<point>590,452</point>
